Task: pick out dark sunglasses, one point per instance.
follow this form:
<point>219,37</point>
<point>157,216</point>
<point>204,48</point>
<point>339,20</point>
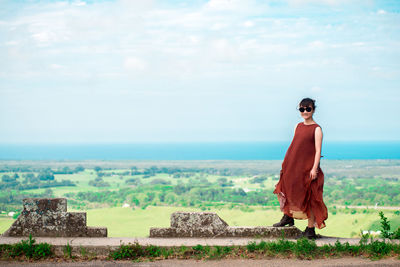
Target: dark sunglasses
<point>308,109</point>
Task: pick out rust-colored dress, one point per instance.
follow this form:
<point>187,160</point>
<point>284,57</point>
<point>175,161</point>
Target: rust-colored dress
<point>297,193</point>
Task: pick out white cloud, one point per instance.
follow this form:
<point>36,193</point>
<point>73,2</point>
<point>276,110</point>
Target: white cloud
<point>381,12</point>
<point>79,3</point>
<point>248,24</point>
<point>11,43</point>
<point>224,4</point>
<point>133,63</point>
<point>316,44</point>
<point>56,66</point>
<point>323,2</point>
<point>316,89</point>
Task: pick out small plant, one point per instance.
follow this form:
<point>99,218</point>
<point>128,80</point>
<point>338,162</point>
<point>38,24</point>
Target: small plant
<point>305,248</point>
<point>385,226</point>
<point>26,248</point>
<point>83,252</point>
<point>42,250</point>
<point>153,251</point>
<point>128,252</point>
<point>216,253</point>
<point>378,249</point>
<point>167,252</point>
<point>68,251</point>
<point>364,238</point>
<point>251,246</point>
<point>183,249</point>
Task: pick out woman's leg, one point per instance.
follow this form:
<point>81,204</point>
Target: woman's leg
<point>311,220</point>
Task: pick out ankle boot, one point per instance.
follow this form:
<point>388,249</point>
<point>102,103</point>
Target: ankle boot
<point>309,233</point>
<point>286,220</point>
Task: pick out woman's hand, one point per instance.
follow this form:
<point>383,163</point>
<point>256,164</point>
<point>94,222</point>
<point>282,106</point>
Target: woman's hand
<point>313,173</point>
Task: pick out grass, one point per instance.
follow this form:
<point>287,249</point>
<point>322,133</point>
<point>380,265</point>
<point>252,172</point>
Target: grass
<point>5,223</point>
<point>26,249</point>
<point>301,249</point>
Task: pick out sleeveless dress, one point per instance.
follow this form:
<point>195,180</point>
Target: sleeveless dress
<point>297,193</point>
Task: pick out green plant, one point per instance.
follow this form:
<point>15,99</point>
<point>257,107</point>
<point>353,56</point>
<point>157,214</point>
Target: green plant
<point>364,238</point>
<point>251,246</point>
<point>378,249</point>
<point>42,250</point>
<point>128,252</point>
<point>396,234</point>
<point>26,248</point>
<point>305,248</point>
<point>153,251</point>
<point>200,250</point>
<point>67,251</point>
<point>167,252</point>
<point>183,249</point>
<point>83,252</point>
<point>385,226</point>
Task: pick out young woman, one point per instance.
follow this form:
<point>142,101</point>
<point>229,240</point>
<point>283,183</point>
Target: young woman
<point>301,182</point>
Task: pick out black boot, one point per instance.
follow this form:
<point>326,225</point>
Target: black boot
<point>286,220</point>
<point>309,233</point>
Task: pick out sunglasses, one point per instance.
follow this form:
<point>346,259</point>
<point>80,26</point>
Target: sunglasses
<point>308,109</point>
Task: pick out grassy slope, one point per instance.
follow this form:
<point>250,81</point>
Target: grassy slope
<point>5,223</point>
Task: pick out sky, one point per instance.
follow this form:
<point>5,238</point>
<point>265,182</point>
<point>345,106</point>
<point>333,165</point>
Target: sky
<point>136,71</point>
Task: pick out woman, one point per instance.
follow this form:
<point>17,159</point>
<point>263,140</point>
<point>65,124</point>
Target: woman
<point>301,182</point>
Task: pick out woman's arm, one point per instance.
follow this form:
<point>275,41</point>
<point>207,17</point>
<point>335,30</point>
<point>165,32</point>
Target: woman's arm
<point>318,145</point>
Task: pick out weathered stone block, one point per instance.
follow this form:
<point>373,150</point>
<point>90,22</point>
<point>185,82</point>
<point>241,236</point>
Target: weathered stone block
<point>49,217</point>
<point>96,231</point>
<point>41,205</point>
<point>76,220</point>
<point>197,220</point>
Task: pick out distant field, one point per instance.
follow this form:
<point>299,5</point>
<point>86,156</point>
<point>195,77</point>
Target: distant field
<point>5,223</point>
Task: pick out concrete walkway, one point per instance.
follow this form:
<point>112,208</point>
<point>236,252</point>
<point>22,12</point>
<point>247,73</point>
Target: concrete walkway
<point>342,262</point>
<point>114,242</point>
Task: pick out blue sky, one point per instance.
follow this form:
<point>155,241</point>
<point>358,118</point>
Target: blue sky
<point>218,70</point>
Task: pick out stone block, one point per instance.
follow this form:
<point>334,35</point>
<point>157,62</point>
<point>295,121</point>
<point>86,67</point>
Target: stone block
<point>197,220</point>
<point>49,218</point>
<point>96,231</point>
<point>41,205</point>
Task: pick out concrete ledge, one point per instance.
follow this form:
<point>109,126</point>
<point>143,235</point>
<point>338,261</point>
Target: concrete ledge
<point>230,231</point>
<point>209,224</point>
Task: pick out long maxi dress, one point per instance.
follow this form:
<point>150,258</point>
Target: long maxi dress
<point>297,193</point>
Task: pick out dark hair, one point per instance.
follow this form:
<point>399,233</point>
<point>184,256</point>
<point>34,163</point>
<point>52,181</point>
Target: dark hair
<point>306,102</point>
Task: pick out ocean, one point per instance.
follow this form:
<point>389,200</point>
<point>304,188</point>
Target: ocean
<point>193,151</point>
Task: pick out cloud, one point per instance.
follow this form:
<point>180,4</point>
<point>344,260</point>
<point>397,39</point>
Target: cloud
<point>381,12</point>
<point>133,63</point>
<point>321,2</point>
<point>316,89</point>
<point>224,4</point>
<point>248,24</point>
<point>216,51</point>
